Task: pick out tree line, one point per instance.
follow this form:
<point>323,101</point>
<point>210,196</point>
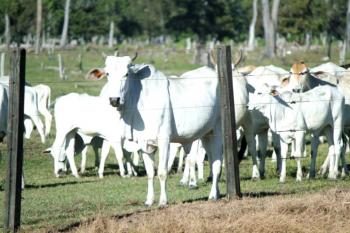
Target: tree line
<point>202,20</point>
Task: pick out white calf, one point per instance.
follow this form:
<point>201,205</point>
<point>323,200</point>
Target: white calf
<point>90,116</point>
<point>292,114</point>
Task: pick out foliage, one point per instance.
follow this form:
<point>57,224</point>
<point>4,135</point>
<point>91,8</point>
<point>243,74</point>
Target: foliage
<point>202,19</point>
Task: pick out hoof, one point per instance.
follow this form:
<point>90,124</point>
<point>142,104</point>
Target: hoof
<point>162,204</point>
<point>255,178</point>
<point>149,203</point>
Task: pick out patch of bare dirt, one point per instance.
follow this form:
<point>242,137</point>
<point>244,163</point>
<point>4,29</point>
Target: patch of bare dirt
<point>327,211</point>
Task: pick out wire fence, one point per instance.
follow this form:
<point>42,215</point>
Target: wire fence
<point>32,149</point>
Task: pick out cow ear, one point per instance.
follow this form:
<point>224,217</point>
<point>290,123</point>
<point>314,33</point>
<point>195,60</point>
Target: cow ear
<point>95,74</point>
<point>285,81</point>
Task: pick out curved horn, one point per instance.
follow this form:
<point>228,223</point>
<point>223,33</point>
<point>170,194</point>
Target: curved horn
<point>212,57</point>
<point>134,58</point>
<point>239,59</point>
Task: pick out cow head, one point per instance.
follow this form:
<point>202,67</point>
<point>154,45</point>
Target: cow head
<point>116,71</point>
<point>297,79</point>
<point>59,164</point>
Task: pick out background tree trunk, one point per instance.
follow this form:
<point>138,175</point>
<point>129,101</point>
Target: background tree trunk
<point>111,34</point>
<point>38,26</point>
<point>274,14</point>
<point>269,30</point>
<point>251,42</point>
<point>348,27</point>
<point>65,24</point>
<point>200,54</point>
<point>7,31</point>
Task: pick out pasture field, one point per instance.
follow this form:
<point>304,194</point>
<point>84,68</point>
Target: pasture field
<point>50,204</point>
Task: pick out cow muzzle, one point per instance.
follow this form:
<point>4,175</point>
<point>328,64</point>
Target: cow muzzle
<point>115,101</point>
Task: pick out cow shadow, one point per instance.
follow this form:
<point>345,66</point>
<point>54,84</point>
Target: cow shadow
<point>54,185</point>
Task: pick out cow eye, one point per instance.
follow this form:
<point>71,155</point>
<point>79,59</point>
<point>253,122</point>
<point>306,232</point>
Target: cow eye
<point>107,74</point>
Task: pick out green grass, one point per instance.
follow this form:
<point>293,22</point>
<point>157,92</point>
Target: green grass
<point>52,203</point>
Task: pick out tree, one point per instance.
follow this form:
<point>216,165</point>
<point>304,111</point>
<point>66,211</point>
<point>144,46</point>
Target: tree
<point>7,31</point>
<point>38,26</point>
<point>251,41</point>
<point>348,27</point>
<point>65,24</point>
<point>111,35</point>
<point>269,30</point>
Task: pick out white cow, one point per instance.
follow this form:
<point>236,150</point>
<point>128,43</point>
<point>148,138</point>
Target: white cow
<point>88,115</point>
<point>31,110</point>
<point>302,79</point>
<point>292,114</point>
<point>330,68</point>
<point>195,157</point>
<point>43,97</point>
<point>156,110</point>
<point>262,80</point>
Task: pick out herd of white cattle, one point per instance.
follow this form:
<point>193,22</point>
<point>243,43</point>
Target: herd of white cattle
<point>140,111</point>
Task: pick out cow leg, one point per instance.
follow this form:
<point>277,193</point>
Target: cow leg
<point>200,163</point>
<point>149,165</point>
<point>332,172</point>
<point>250,137</point>
<point>345,171</point>
<point>181,160</point>
<point>338,145</point>
<point>58,151</point>
<point>28,127</point>
<point>119,156</point>
<point>299,148</point>
<point>83,159</point>
<point>129,163</point>
<point>97,159</point>
<point>192,165</point>
<point>39,126</point>
<point>163,147</point>
<point>70,153</point>
<point>213,147</point>
<point>48,118</point>
<point>284,151</point>
<point>186,172</point>
<point>104,153</point>
<point>262,138</point>
<point>172,155</point>
<point>136,158</point>
<point>314,148</point>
